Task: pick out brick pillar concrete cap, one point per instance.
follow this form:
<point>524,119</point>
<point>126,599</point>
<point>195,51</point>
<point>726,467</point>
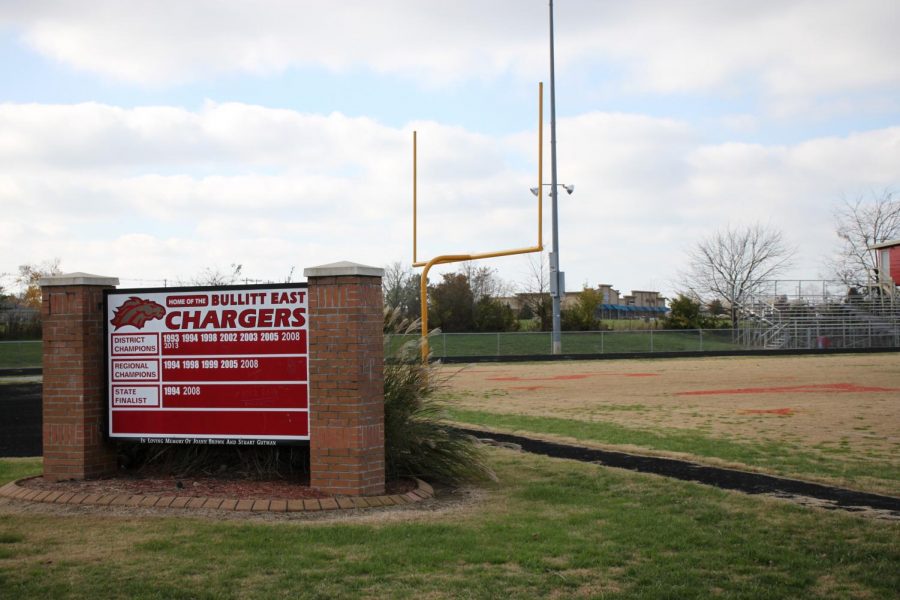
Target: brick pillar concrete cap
<point>77,279</point>
<point>343,269</point>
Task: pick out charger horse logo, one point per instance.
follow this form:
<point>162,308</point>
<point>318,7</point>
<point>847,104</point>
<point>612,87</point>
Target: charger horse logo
<point>137,311</point>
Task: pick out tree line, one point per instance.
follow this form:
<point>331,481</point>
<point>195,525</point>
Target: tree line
<point>468,300</point>
<point>476,299</point>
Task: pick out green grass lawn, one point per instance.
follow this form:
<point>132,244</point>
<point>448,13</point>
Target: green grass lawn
<point>870,473</point>
<point>14,355</point>
<point>549,528</point>
<point>606,342</point>
<point>17,468</point>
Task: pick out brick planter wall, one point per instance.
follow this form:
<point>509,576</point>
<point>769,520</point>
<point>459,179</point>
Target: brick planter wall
<point>74,398</point>
<point>346,379</point>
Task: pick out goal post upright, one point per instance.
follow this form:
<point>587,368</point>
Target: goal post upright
<point>451,258</point>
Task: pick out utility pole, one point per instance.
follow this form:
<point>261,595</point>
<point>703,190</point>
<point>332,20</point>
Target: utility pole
<point>557,279</point>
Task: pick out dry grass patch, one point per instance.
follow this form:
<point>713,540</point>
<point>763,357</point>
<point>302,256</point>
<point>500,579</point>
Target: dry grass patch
<point>675,393</point>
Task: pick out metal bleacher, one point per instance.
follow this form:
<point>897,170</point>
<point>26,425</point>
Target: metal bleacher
<point>820,314</point>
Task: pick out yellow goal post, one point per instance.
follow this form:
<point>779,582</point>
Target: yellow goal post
<point>450,258</point>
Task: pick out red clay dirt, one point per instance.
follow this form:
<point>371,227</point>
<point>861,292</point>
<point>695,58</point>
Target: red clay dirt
<point>840,388</point>
<point>571,377</point>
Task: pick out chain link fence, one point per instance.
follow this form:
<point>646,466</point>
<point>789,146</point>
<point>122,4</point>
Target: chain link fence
<point>445,345</point>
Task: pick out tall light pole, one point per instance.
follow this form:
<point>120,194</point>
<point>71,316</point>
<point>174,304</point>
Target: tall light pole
<point>556,278</point>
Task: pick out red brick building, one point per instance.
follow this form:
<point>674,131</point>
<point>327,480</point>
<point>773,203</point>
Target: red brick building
<point>887,263</point>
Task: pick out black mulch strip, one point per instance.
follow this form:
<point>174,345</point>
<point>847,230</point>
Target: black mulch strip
<point>729,479</point>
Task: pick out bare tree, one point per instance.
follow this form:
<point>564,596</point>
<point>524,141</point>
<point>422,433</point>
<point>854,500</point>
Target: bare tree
<point>484,281</point>
<point>536,290</point>
<point>28,278</point>
<point>215,276</point>
<point>732,262</point>
<point>395,276</point>
<point>860,223</point>
<point>400,285</point>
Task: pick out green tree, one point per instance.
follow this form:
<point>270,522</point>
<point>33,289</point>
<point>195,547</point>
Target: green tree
<point>684,313</point>
<point>493,315</point>
<point>526,312</point>
<point>467,301</point>
<point>716,308</point>
<point>452,305</point>
<point>583,316</point>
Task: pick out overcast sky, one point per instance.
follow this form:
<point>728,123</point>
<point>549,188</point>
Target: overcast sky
<point>152,140</point>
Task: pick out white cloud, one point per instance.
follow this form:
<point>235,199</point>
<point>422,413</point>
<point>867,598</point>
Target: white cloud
<point>165,41</point>
<point>92,135</point>
<point>341,189</point>
<point>796,51</point>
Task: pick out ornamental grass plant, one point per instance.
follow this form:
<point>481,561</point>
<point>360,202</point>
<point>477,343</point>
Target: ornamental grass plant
<point>418,440</point>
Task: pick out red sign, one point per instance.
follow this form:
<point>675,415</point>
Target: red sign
<point>208,365</point>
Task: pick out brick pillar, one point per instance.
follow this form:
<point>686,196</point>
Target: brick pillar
<point>74,399</point>
<point>346,379</point>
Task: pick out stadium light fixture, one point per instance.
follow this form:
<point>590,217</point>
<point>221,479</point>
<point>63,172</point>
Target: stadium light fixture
<point>569,188</point>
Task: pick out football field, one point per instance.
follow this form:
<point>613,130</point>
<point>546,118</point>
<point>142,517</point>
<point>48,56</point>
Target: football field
<point>833,418</point>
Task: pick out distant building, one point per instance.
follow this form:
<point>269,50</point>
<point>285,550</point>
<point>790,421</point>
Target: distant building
<point>610,296</point>
<point>640,304</point>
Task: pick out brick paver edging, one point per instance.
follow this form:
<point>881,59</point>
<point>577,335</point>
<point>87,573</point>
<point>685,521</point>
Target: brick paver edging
<point>15,491</point>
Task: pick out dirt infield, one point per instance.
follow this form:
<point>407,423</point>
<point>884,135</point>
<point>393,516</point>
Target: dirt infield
<point>838,404</point>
